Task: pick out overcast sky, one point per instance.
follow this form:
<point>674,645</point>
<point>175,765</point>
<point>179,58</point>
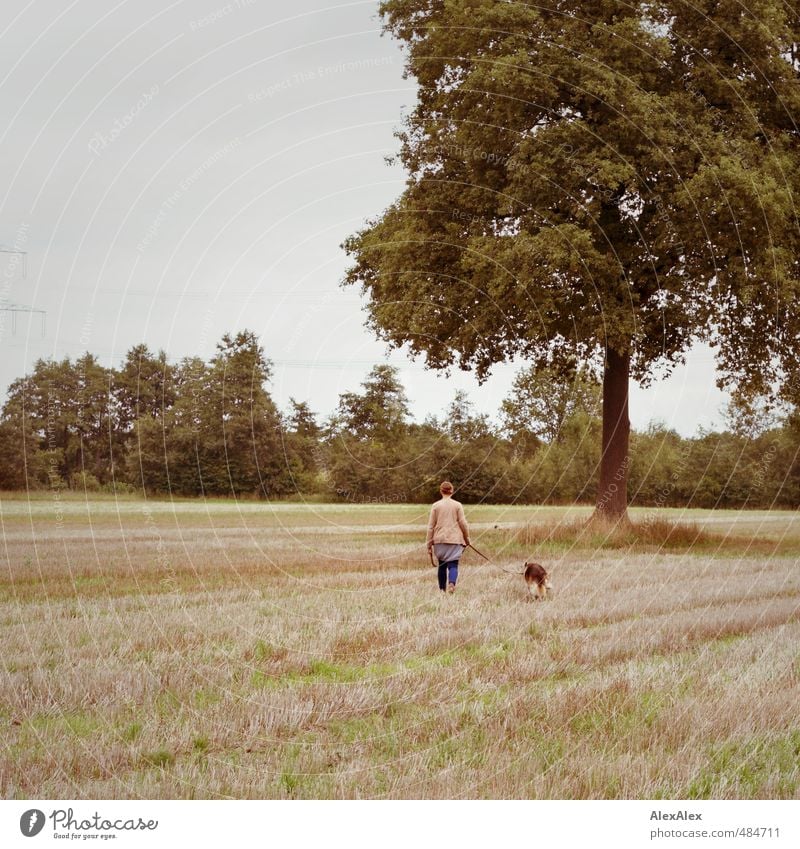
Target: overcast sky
<point>177,171</point>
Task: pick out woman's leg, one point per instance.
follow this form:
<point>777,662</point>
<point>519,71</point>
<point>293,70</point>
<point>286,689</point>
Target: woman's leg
<point>453,569</point>
<point>442,576</point>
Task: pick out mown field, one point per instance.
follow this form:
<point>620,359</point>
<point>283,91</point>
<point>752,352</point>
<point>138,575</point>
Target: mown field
<point>209,649</point>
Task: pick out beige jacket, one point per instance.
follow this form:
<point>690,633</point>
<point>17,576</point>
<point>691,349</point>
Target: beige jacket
<point>447,523</point>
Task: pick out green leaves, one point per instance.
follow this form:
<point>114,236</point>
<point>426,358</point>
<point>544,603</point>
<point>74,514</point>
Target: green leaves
<point>617,163</point>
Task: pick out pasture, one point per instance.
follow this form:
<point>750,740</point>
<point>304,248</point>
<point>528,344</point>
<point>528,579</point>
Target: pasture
<point>220,650</point>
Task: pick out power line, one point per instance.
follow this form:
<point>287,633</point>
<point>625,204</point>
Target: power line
<point>294,293</point>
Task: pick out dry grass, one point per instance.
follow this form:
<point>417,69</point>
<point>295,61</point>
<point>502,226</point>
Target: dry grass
<point>219,658</point>
<point>650,534</point>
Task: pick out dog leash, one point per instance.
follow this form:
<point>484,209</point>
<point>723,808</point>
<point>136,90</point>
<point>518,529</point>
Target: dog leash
<point>470,545</point>
<point>488,560</point>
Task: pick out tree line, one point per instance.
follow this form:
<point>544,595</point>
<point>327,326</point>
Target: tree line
<point>197,428</point>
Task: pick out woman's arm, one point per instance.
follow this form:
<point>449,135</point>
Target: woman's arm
<point>462,523</point>
<point>431,528</point>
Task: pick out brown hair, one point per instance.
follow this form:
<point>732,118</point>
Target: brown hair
<point>446,488</point>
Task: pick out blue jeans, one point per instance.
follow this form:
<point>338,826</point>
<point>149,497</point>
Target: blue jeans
<point>444,568</point>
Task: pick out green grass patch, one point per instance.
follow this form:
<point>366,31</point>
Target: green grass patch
<point>160,758</point>
<point>765,767</point>
<point>201,744</point>
<point>74,723</point>
<point>323,672</point>
<point>442,659</point>
<point>204,697</point>
<point>167,702</point>
<point>131,732</point>
<point>263,651</point>
<point>261,681</point>
<point>617,713</point>
<point>382,737</point>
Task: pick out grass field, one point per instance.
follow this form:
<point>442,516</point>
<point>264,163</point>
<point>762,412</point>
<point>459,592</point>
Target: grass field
<point>213,649</point>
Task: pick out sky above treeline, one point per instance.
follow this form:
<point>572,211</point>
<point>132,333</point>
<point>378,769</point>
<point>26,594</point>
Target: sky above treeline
<point>182,170</point>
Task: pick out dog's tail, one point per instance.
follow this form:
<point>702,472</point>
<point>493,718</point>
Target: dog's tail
<point>511,571</point>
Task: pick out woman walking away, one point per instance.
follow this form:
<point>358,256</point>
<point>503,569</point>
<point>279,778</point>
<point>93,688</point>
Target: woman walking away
<point>448,536</point>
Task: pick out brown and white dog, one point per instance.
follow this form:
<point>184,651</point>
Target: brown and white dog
<point>537,580</point>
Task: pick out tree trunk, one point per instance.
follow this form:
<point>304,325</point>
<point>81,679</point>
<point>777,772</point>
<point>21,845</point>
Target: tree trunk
<point>612,493</point>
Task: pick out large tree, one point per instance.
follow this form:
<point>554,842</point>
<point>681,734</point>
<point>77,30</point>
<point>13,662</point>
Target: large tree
<point>592,181</point>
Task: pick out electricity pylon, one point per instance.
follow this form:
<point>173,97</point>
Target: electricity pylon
<point>16,308</point>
